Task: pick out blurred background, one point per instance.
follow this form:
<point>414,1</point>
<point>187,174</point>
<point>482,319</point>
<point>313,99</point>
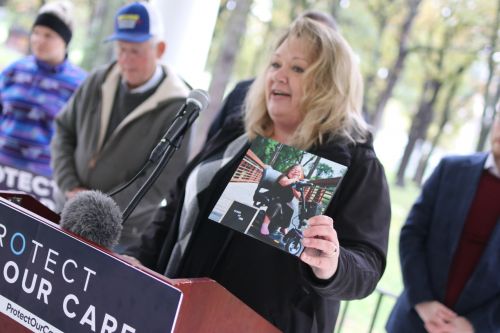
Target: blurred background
<point>431,70</point>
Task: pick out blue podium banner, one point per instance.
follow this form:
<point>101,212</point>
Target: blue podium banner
<point>40,187</point>
<point>51,281</point>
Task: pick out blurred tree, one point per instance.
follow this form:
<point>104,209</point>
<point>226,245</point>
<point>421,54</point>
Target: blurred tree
<point>297,7</point>
<point>221,72</point>
<point>397,43</point>
<point>394,72</point>
<point>101,25</point>
<point>454,81</point>
<point>490,96</point>
<point>420,123</point>
<point>381,11</point>
<point>281,14</point>
<point>334,9</point>
<point>23,13</point>
<point>449,49</point>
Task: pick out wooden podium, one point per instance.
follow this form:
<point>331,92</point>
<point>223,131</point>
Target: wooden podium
<point>206,306</point>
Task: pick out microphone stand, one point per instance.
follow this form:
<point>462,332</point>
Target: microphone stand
<point>157,152</point>
<point>166,148</point>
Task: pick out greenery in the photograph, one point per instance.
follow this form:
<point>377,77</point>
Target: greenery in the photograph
<point>282,157</point>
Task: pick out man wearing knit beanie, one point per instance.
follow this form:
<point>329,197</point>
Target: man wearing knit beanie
<point>34,89</point>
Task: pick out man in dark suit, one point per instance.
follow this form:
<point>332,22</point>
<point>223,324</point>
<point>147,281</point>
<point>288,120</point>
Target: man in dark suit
<point>450,249</point>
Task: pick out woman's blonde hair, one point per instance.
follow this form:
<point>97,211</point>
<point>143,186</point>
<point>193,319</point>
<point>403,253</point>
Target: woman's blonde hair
<point>333,90</point>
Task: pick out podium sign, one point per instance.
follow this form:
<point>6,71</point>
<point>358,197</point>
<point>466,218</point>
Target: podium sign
<point>51,281</point>
<point>39,186</point>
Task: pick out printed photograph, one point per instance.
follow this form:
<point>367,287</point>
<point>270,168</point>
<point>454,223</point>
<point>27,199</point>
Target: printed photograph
<point>274,191</point>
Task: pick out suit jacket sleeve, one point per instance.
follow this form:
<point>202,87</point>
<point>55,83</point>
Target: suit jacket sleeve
<point>413,240</point>
<point>487,317</point>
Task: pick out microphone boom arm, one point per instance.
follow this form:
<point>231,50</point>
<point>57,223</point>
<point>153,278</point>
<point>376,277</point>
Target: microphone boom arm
<point>167,146</point>
<point>168,153</point>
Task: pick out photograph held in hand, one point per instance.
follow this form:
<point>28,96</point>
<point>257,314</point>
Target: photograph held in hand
<point>274,191</point>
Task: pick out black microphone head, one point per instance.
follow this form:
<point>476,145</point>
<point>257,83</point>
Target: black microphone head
<point>199,97</point>
<point>94,216</point>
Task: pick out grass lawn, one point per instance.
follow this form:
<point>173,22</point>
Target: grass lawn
<point>359,313</point>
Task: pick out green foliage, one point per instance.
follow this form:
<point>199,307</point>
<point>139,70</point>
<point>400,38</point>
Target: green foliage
<point>458,29</point>
<point>287,157</point>
<point>323,171</point>
<point>282,157</point>
<point>264,148</point>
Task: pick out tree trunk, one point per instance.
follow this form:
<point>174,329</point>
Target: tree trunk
<point>221,72</point>
<point>489,103</point>
<point>424,160</point>
<point>101,25</point>
<point>420,125</point>
<point>397,67</point>
<point>276,154</point>
<point>259,55</point>
<point>334,9</point>
<point>314,166</point>
<point>381,25</point>
<point>423,118</point>
<point>487,118</point>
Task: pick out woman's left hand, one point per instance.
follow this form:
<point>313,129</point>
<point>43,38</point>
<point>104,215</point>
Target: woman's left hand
<point>322,248</point>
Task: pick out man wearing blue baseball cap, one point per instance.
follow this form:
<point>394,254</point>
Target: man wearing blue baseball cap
<point>108,129</point>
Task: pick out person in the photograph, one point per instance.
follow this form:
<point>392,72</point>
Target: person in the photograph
<point>34,89</point>
<point>281,194</point>
<point>309,97</point>
<point>450,249</point>
<point>108,129</point>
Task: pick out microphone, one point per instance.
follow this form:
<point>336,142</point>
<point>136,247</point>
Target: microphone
<point>196,101</point>
<point>94,216</point>
<point>198,98</point>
